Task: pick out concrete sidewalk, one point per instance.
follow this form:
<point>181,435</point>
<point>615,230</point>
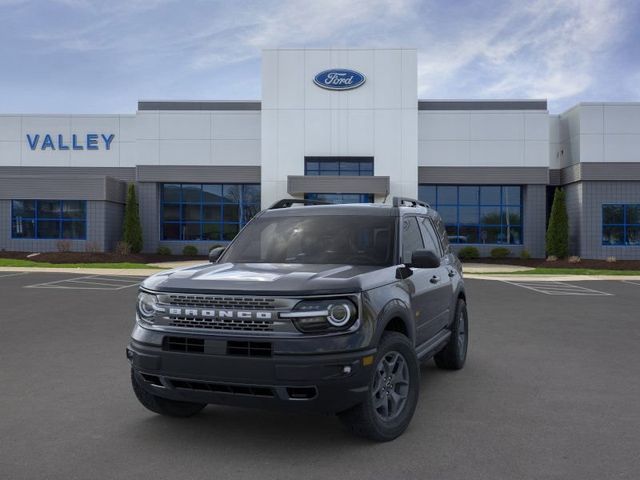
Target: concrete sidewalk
<point>492,268</point>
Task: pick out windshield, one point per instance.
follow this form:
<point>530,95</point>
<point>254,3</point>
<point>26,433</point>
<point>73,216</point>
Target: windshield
<point>317,239</point>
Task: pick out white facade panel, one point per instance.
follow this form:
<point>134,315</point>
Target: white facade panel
<point>361,128</point>
<point>536,126</point>
<point>496,126</point>
<point>443,153</point>
<point>10,128</point>
<point>235,152</point>
<point>443,126</point>
<point>317,131</point>
<point>591,148</point>
<point>622,119</point>
<point>235,125</point>
<point>9,153</point>
<point>188,152</point>
<point>184,126</point>
<point>291,81</point>
<point>147,126</point>
<point>536,153</point>
<point>622,148</point>
<point>496,153</point>
<point>591,119</point>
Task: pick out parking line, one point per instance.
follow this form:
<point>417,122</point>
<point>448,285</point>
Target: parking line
<point>558,288</point>
<point>631,282</point>
<point>77,283</point>
<point>12,274</point>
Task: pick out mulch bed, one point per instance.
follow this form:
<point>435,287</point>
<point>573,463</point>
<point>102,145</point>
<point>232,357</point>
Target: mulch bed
<point>99,257</point>
<point>584,263</point>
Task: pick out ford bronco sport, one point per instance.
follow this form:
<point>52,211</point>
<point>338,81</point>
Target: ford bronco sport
<point>323,308</point>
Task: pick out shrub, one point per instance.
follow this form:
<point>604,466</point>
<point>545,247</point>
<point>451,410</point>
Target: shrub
<point>468,253</point>
<point>558,230</point>
<point>131,230</point>
<point>190,250</point>
<point>163,250</point>
<point>574,259</point>
<point>91,247</point>
<point>525,255</point>
<point>215,246</point>
<point>63,245</point>
<point>552,258</point>
<point>500,252</point>
<point>123,248</point>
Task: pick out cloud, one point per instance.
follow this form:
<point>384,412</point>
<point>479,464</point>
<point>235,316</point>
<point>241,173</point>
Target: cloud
<point>547,50</point>
<point>560,50</point>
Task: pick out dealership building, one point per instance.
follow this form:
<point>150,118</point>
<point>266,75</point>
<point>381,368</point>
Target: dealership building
<point>343,125</point>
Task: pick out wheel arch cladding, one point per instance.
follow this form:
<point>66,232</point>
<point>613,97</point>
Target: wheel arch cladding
<point>394,317</point>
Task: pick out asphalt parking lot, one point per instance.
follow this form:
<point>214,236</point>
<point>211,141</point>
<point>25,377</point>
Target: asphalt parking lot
<point>551,390</point>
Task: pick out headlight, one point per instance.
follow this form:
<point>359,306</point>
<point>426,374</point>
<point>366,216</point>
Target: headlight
<point>310,316</point>
<point>147,306</point>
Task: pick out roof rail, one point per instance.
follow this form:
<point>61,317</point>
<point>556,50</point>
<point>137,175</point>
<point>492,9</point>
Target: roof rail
<point>400,202</point>
<point>287,202</point>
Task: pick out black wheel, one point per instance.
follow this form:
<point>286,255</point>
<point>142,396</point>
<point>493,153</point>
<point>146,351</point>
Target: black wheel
<point>454,354</point>
<point>164,406</point>
<point>392,395</point>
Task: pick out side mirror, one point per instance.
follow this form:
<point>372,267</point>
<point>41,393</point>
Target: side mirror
<point>215,253</point>
<point>424,259</point>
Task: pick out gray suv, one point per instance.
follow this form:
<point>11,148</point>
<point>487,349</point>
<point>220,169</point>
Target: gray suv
<point>314,308</point>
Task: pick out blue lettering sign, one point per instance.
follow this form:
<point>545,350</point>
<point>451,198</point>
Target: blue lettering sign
<point>33,142</point>
<point>74,143</point>
<point>61,145</point>
<point>47,143</point>
<point>92,141</point>
<point>108,140</point>
<point>339,79</point>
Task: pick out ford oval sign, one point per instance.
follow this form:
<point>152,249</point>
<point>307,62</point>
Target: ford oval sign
<point>339,79</point>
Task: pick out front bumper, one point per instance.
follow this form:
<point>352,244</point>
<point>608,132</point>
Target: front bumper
<point>324,383</point>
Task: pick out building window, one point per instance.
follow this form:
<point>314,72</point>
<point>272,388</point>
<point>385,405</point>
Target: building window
<point>210,211</point>
<point>621,224</point>
<point>339,166</point>
<point>355,166</point>
<point>49,219</point>
<point>341,197</point>
<point>480,214</point>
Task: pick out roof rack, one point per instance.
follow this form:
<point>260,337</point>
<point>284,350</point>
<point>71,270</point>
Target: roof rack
<point>400,202</point>
<point>287,202</point>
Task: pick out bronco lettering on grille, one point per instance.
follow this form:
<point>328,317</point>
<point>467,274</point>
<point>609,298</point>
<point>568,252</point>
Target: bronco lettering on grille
<point>209,313</point>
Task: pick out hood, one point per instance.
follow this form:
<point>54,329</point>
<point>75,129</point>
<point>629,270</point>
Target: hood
<point>271,279</point>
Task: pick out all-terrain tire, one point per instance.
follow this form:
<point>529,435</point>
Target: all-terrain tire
<point>368,419</point>
<point>454,354</point>
<point>164,406</point>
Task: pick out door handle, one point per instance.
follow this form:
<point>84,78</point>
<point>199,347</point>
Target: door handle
<point>435,279</point>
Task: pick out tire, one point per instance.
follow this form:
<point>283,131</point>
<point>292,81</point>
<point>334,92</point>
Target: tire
<point>368,419</point>
<point>454,354</point>
<point>164,406</point>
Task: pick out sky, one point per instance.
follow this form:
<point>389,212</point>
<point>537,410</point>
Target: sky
<point>85,56</point>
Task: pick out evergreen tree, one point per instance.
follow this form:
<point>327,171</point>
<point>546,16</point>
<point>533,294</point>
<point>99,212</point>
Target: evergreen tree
<point>558,230</point>
<point>131,230</point>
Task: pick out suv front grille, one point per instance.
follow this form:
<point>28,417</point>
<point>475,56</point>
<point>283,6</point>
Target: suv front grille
<point>216,301</point>
<point>252,390</point>
<point>183,344</point>
<point>249,349</point>
<point>246,325</point>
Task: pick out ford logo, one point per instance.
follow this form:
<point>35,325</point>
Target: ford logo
<point>339,79</point>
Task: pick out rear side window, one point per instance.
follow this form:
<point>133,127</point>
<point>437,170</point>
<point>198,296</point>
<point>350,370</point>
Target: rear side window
<point>431,241</point>
<point>411,238</point>
<point>442,233</point>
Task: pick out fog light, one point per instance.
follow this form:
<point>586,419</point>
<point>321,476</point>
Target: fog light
<point>346,369</point>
